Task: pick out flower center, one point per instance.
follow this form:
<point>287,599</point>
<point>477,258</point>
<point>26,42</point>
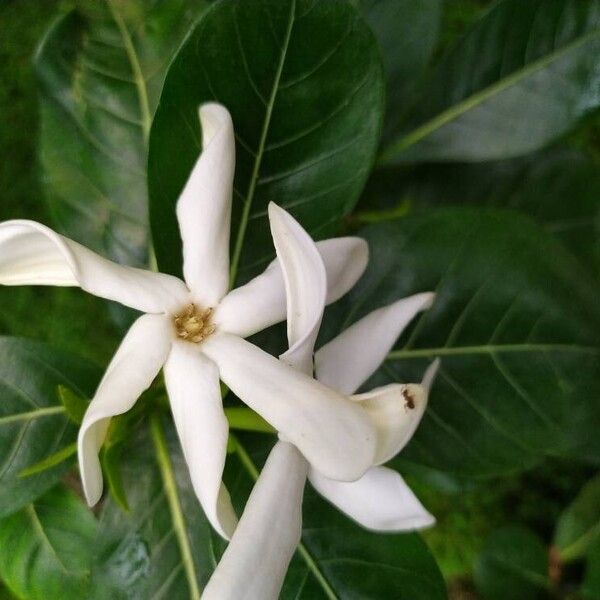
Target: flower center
<point>193,324</point>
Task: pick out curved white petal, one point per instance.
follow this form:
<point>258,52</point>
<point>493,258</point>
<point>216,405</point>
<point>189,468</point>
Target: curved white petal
<point>352,357</point>
<point>430,375</point>
<point>380,500</point>
<point>334,434</point>
<point>33,254</point>
<point>133,368</point>
<point>194,391</point>
<point>305,284</point>
<point>396,411</point>
<point>345,259</point>
<point>204,209</point>
<point>262,302</point>
<point>254,565</point>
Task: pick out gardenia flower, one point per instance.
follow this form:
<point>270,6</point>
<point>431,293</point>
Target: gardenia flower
<point>254,564</point>
<point>195,330</point>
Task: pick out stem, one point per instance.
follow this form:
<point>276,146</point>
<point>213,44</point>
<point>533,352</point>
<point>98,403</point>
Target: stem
<point>166,470</point>
<point>239,242</point>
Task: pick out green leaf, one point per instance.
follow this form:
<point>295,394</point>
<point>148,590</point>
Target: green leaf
<point>513,559</point>
<point>5,594</point>
<point>46,548</point>
<point>538,186</point>
<point>75,405</point>
<point>339,559</point>
<point>101,69</point>
<point>516,323</point>
<point>407,32</point>
<point>579,525</point>
<point>33,424</point>
<point>51,461</point>
<point>307,118</point>
<point>524,75</point>
<point>591,583</point>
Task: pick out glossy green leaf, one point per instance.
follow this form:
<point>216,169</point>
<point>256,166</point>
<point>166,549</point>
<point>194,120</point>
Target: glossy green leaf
<point>524,75</point>
<point>516,323</point>
<point>579,525</point>
<point>407,32</point>
<point>514,561</point>
<point>560,189</point>
<point>304,84</point>
<point>101,69</point>
<point>33,423</point>
<point>46,548</point>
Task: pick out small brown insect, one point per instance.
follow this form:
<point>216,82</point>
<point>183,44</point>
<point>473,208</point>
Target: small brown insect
<point>410,401</point>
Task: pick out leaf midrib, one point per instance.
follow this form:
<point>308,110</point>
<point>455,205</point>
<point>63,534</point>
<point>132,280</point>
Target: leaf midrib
<point>478,98</point>
<point>136,69</point>
<point>32,414</point>
<point>177,515</point>
<point>239,243</point>
<point>489,349</point>
<point>43,537</point>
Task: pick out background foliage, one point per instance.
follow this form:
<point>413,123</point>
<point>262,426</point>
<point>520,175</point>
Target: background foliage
<point>484,185</point>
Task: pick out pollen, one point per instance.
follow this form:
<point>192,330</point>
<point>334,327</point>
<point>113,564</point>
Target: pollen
<point>193,324</point>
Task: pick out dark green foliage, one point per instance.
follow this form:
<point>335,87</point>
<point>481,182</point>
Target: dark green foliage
<point>305,136</point>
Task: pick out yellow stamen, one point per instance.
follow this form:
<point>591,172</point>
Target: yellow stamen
<point>193,324</point>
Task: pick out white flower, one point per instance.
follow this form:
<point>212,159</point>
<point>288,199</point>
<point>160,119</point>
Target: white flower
<point>195,329</point>
<point>255,562</point>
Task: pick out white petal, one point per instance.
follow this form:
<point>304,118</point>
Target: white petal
<point>396,411</point>
<point>133,368</point>
<point>262,301</point>
<point>380,500</point>
<point>333,433</point>
<point>33,254</point>
<point>194,391</point>
<point>204,209</point>
<point>254,565</point>
<point>305,285</point>
<point>430,375</point>
<point>352,357</point>
<point>345,260</point>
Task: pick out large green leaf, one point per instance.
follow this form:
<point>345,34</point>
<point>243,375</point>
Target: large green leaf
<point>559,188</point>
<point>407,32</point>
<point>516,323</point>
<point>513,561</point>
<point>46,548</point>
<point>101,69</point>
<point>165,547</point>
<point>579,525</point>
<point>303,82</point>
<point>33,423</point>
<point>524,75</point>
